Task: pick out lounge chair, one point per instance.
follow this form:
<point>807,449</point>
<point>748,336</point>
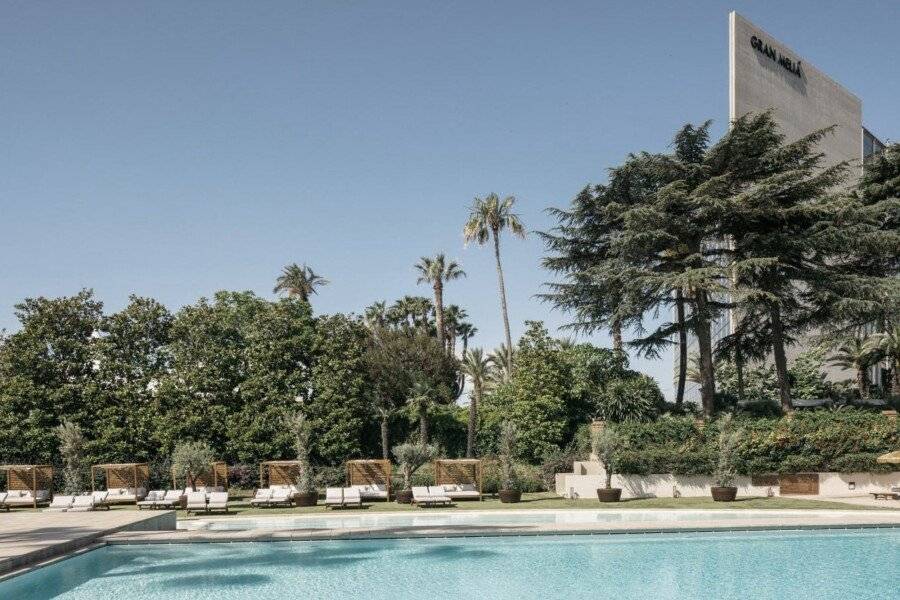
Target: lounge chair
<point>439,495</point>
<point>171,500</point>
<point>463,491</point>
<point>262,497</point>
<point>196,501</point>
<point>24,498</point>
<point>217,501</point>
<point>892,495</point>
<point>352,497</point>
<point>82,504</point>
<point>423,496</point>
<point>3,505</point>
<point>152,498</point>
<point>281,496</point>
<point>60,504</point>
<point>334,497</point>
<point>100,497</point>
<point>374,491</point>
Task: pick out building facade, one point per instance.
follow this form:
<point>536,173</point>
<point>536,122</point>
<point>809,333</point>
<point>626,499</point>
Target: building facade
<point>765,74</point>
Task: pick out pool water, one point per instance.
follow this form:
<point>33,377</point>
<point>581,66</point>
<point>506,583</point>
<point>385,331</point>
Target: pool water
<point>509,518</point>
<point>857,564</point>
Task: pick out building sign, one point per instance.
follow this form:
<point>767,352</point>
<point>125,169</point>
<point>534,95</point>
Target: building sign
<point>792,66</point>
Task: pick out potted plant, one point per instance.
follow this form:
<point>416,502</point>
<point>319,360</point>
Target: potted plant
<point>410,457</point>
<point>604,443</point>
<point>725,490</point>
<point>307,494</point>
<point>509,483</point>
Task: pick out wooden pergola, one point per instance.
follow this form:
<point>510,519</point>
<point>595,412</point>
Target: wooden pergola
<point>29,477</point>
<point>122,475</point>
<point>278,472</point>
<point>216,476</point>
<point>370,472</point>
<point>458,471</point>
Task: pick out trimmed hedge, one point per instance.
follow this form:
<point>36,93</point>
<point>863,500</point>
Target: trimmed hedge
<point>845,441</point>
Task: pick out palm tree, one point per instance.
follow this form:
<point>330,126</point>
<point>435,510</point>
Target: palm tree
<point>692,370</point>
<point>856,354</point>
<point>421,396</point>
<point>436,271</point>
<point>479,369</point>
<point>465,331</point>
<point>376,315</point>
<point>453,317</point>
<point>297,281</point>
<point>887,345</point>
<point>502,358</point>
<point>488,217</point>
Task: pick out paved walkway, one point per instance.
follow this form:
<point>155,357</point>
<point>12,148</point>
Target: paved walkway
<point>812,520</point>
<point>868,501</point>
<point>27,538</point>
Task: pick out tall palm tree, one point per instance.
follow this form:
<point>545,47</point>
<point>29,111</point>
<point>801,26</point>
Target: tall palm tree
<point>297,281</point>
<point>887,345</point>
<point>479,369</point>
<point>488,217</point>
<point>454,317</point>
<point>376,315</point>
<point>856,354</point>
<point>436,271</point>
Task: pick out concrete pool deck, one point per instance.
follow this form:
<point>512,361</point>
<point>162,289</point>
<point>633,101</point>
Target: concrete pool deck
<point>28,538</point>
<point>814,520</point>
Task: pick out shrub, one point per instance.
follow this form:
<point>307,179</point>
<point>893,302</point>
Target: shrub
<point>728,441</point>
<point>508,438</point>
<point>557,461</point>
<point>632,399</point>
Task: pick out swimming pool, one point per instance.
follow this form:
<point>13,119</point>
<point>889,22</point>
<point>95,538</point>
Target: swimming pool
<point>492,518</point>
<point>858,564</point>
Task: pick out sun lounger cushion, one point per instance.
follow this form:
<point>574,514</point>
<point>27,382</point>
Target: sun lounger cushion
<point>218,499</point>
<point>82,503</point>
<point>60,504</point>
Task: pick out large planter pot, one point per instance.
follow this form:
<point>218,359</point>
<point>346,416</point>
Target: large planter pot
<point>724,494</point>
<point>306,498</point>
<point>404,497</point>
<point>510,496</point>
<point>609,494</point>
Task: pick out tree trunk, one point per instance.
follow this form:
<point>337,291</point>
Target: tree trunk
<point>895,379</point>
<point>385,445</point>
<point>503,308</point>
<point>682,347</point>
<point>862,381</point>
<point>423,425</point>
<point>784,385</point>
<point>473,415</point>
<point>704,346</point>
<point>465,345</point>
<point>739,369</point>
<point>439,313</point>
<point>616,330</point>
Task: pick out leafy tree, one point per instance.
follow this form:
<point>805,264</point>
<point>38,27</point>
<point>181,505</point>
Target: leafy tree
<point>436,272</point>
<point>478,368</point>
<point>632,399</point>
<point>488,218</point>
<point>298,281</point>
<point>190,460</point>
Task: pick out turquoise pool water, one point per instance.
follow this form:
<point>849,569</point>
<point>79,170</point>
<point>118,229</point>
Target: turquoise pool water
<point>858,564</point>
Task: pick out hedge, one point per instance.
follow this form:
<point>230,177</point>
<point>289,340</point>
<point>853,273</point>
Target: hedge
<point>848,440</point>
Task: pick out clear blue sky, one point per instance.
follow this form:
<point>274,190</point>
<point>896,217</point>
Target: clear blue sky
<point>172,149</point>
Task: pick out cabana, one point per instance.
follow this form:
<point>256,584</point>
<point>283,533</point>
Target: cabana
<point>28,485</point>
<point>216,477</point>
<point>371,477</point>
<point>126,482</point>
<point>273,473</point>
<point>461,478</point>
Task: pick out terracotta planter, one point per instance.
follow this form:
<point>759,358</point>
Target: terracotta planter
<point>306,498</point>
<point>724,494</point>
<point>404,497</point>
<point>609,494</point>
<point>510,496</point>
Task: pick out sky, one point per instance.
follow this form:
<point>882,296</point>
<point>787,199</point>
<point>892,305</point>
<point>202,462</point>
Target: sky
<point>172,149</point>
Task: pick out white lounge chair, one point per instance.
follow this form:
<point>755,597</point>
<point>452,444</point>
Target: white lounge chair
<point>217,501</point>
<point>423,496</point>
<point>24,498</point>
<point>462,491</point>
<point>172,499</point>
<point>196,501</point>
<point>3,505</point>
<point>373,491</point>
<point>262,497</point>
<point>334,497</point>
<point>60,504</point>
<point>281,496</point>
<point>352,497</point>
<point>100,497</point>
<point>82,504</point>
<point>152,498</point>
